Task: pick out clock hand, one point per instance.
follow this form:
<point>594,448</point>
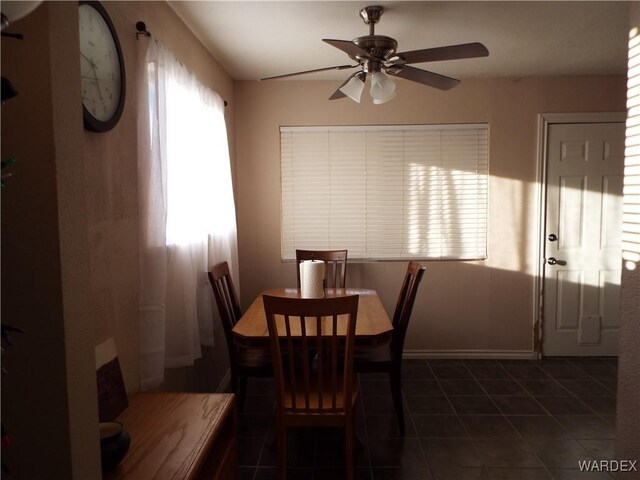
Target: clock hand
<point>95,73</point>
<point>93,65</point>
<point>99,91</point>
<point>99,79</point>
<point>95,77</point>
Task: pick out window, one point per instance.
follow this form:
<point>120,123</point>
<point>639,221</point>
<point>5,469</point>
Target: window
<point>199,191</point>
<point>385,192</point>
<point>631,209</point>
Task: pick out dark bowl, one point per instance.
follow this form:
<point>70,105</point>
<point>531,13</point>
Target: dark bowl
<point>114,444</point>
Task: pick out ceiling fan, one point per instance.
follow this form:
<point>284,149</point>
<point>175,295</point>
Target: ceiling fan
<point>376,56</point>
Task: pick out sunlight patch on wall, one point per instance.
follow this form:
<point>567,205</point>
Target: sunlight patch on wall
<point>631,209</point>
<point>512,202</point>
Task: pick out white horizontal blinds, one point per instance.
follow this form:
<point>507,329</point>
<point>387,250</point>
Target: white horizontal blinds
<point>463,187</point>
<point>422,161</point>
<point>347,203</point>
<point>306,189</point>
<point>385,195</point>
<point>386,192</point>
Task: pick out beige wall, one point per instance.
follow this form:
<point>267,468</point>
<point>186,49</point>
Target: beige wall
<point>69,237</point>
<point>462,306</point>
<point>628,406</point>
<point>49,392</point>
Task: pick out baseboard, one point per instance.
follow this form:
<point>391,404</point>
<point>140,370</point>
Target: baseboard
<point>223,386</point>
<point>479,354</point>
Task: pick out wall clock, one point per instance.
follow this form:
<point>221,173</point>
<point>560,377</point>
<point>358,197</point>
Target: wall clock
<point>101,68</point>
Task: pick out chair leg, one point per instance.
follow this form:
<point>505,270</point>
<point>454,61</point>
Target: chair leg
<point>282,450</point>
<point>234,383</point>
<point>349,437</point>
<point>396,394</point>
<point>242,391</point>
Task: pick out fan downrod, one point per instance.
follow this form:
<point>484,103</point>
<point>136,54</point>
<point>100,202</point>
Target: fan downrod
<point>371,15</point>
<point>379,47</point>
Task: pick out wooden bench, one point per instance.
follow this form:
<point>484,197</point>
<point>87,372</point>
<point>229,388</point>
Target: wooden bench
<point>179,436</point>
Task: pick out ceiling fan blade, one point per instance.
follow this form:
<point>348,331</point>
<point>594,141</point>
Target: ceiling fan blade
<point>337,67</point>
<point>348,47</point>
<point>422,76</point>
<point>451,52</point>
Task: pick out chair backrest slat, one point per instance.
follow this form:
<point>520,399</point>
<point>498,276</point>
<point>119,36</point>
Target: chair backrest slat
<point>404,306</point>
<point>291,366</point>
<point>319,359</point>
<point>335,265</point>
<point>227,302</point>
<point>334,361</point>
<point>316,381</point>
<point>305,360</point>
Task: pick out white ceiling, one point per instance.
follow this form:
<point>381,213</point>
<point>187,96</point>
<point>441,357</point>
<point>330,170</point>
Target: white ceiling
<point>252,40</point>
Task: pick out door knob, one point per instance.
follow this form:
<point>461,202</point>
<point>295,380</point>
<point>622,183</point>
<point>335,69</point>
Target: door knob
<point>552,237</point>
<point>555,261</point>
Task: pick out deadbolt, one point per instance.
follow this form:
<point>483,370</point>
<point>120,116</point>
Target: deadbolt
<point>552,237</point>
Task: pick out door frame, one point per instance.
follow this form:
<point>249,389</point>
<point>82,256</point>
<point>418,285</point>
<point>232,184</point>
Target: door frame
<point>545,120</point>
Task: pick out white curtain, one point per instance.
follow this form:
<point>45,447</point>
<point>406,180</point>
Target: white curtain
<point>186,211</point>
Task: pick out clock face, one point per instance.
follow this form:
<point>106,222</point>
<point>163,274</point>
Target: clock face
<point>101,68</point>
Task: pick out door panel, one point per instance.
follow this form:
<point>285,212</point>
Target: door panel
<point>609,298</point>
<point>612,211</point>
<point>569,284</point>
<point>571,222</point>
<point>584,210</point>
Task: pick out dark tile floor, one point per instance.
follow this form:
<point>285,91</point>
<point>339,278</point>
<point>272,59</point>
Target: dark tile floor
<point>465,419</point>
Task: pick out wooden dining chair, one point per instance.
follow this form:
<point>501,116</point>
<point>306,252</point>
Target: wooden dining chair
<point>312,342</point>
<point>388,358</point>
<point>243,362</point>
<point>335,275</point>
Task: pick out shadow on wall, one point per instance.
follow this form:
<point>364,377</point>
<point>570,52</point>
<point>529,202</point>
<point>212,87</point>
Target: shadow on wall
<point>456,310</point>
<point>491,301</point>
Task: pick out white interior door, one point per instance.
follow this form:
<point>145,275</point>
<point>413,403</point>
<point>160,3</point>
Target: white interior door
<point>585,166</point>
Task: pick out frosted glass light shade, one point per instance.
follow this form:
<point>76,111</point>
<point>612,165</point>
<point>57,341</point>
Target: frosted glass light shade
<point>383,88</point>
<point>380,102</point>
<point>353,88</point>
<point>12,11</point>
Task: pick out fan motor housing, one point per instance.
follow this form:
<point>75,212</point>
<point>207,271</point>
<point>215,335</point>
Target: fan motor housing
<point>378,46</point>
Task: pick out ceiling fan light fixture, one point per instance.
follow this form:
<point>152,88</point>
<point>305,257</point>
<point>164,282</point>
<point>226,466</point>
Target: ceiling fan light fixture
<point>385,100</point>
<point>353,88</point>
<point>383,88</point>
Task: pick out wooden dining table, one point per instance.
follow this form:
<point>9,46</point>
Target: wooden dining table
<point>373,326</point>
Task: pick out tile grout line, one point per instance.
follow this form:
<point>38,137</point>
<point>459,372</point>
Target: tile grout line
<point>366,431</point>
<point>506,418</point>
<point>544,465</point>
<point>455,412</point>
<point>413,423</point>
